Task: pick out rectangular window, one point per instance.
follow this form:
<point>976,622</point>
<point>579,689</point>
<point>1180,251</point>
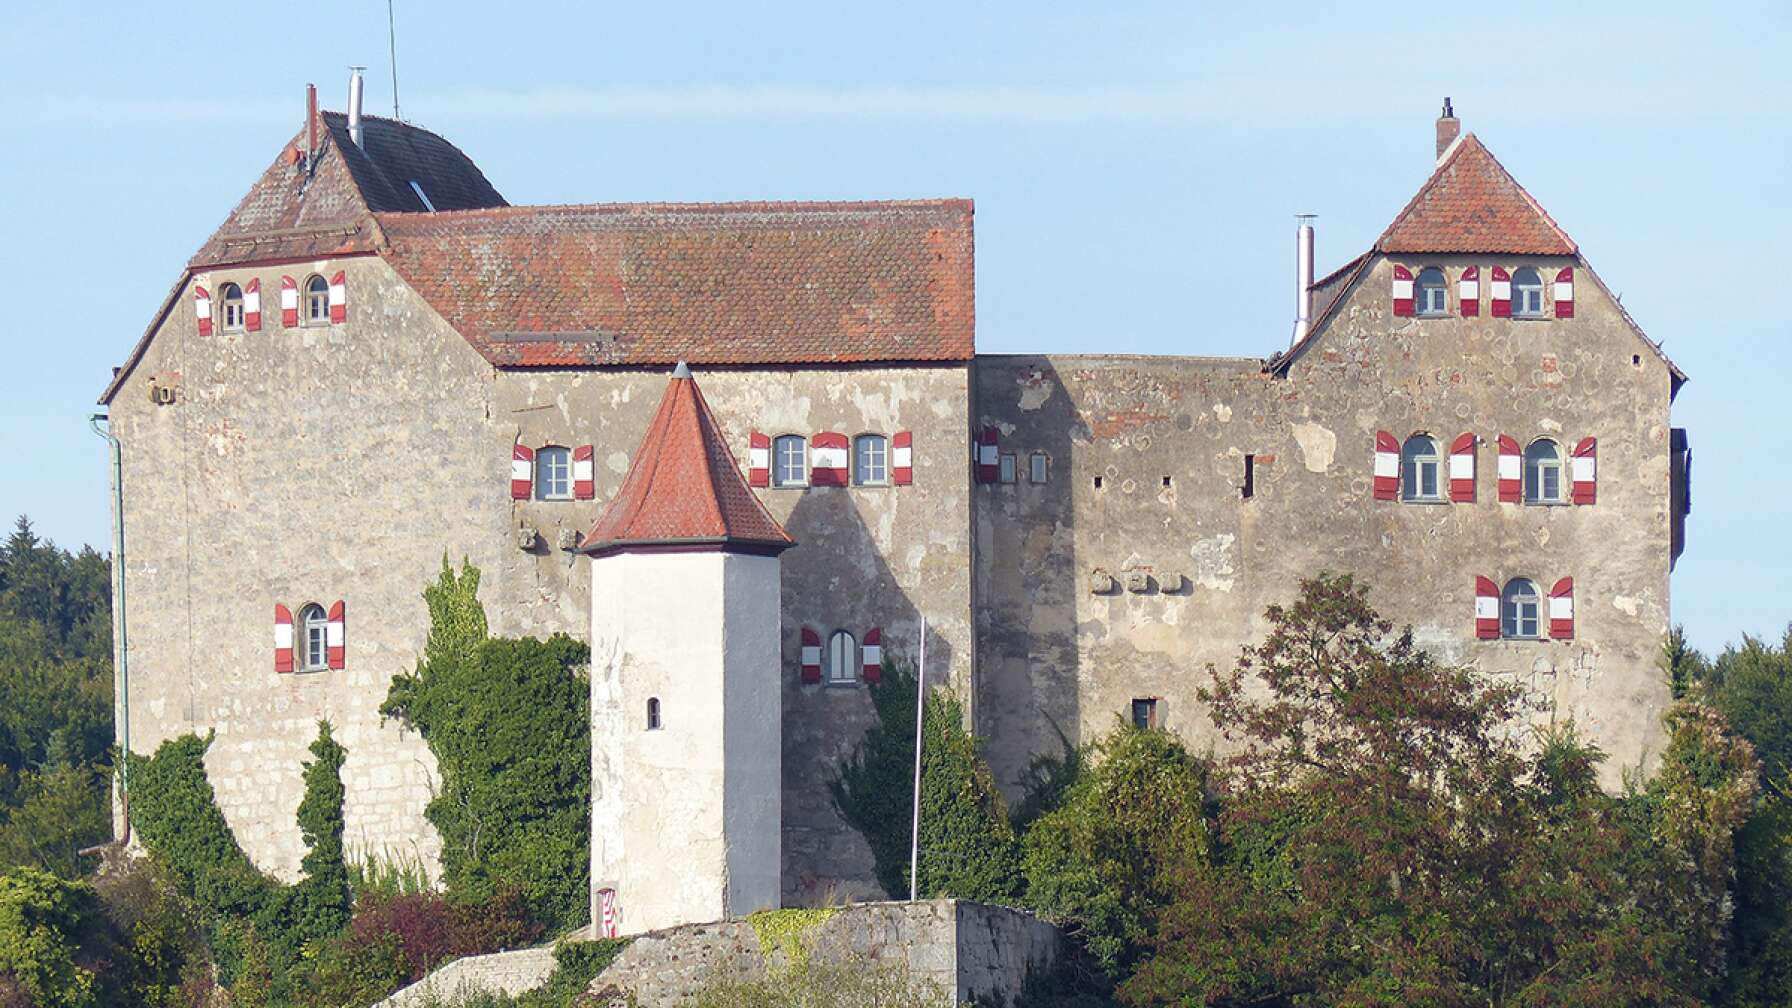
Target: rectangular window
<point>1431,301</point>
<point>316,645</point>
<point>553,474</point>
<point>1038,465</point>
<point>789,461</point>
<point>1529,302</point>
<point>1008,468</point>
<point>871,460</point>
<point>1144,713</point>
<point>1521,618</point>
<point>1249,489</point>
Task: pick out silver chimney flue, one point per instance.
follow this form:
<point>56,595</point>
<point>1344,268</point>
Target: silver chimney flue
<point>1303,278</point>
<point>354,105</point>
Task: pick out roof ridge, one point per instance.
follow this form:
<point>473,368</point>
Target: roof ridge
<point>710,207</point>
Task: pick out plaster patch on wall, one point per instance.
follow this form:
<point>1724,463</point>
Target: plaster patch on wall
<point>1550,426</point>
<point>1223,411</point>
<point>1626,605</point>
<point>1317,445</point>
<point>1213,561</point>
<point>1034,390</point>
<point>618,462</point>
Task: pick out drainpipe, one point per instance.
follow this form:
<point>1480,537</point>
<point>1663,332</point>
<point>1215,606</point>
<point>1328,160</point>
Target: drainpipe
<point>122,675</point>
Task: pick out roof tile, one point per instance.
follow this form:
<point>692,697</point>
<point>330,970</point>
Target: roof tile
<point>1472,204</point>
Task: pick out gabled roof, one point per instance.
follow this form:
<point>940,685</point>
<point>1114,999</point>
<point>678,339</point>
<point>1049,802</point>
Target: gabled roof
<point>715,284</point>
<point>291,213</point>
<point>1472,204</point>
<point>683,490</point>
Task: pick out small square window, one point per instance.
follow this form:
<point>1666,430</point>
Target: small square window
<point>1038,466</point>
<point>1008,468</point>
<point>1097,482</point>
<point>1144,713</point>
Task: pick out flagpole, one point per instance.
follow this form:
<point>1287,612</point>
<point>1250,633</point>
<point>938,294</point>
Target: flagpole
<point>914,840</point>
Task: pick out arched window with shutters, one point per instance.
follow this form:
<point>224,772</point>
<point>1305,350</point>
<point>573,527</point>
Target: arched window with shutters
<point>317,301</point>
<point>1543,472</point>
<point>1428,290</point>
<point>231,297</point>
<point>842,658</point>
<point>1527,293</point>
<point>314,639</point>
<point>1419,466</point>
<point>1520,604</point>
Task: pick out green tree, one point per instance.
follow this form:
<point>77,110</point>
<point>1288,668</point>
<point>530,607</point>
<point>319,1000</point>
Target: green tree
<point>59,813</point>
<point>42,919</point>
<point>509,723</point>
<point>1102,860</point>
<point>967,843</point>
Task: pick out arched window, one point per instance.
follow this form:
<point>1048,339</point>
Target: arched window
<point>1543,472</point>
<point>232,297</point>
<point>1429,292</point>
<point>870,460</point>
<point>553,473</point>
<point>653,713</point>
<point>314,638</point>
<point>1419,462</point>
<point>1527,294</point>
<point>1519,603</point>
<point>790,461</point>
<point>317,301</point>
<point>842,658</point>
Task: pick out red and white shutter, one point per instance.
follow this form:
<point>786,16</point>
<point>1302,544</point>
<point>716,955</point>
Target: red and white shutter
<point>759,460</point>
<point>988,455</point>
<point>827,459</point>
<point>1565,293</point>
<point>1501,293</point>
<point>584,485</point>
<point>873,652</point>
<point>1462,469</point>
<point>335,631</point>
<point>1402,291</point>
<point>289,302</point>
<point>1561,610</point>
<point>1487,609</point>
<point>252,305</point>
<point>339,296</point>
<point>1584,468</point>
<point>609,917</point>
<point>282,638</point>
<point>522,472</point>
<point>811,656</point>
<point>902,458</point>
<point>1387,466</point>
<point>1468,292</point>
<point>1511,470</point>
<point>202,309</point>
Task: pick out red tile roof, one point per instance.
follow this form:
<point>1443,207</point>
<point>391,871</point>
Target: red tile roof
<point>293,214</point>
<point>1472,204</point>
<point>715,284</point>
<point>683,489</point>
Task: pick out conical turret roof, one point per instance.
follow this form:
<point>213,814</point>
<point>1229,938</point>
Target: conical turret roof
<point>683,490</point>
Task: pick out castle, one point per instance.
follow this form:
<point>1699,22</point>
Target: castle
<point>1466,417</point>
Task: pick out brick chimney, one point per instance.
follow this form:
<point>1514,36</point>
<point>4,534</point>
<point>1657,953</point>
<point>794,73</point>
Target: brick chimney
<point>1448,128</point>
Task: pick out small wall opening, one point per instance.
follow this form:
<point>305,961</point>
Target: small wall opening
<point>1144,713</point>
<point>1248,488</point>
<point>1098,482</point>
<point>653,713</point>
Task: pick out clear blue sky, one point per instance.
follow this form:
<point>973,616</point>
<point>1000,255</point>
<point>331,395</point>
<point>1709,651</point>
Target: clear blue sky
<point>1135,174</point>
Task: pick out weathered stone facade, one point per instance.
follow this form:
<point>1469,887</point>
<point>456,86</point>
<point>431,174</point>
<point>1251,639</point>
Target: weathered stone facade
<point>313,463</point>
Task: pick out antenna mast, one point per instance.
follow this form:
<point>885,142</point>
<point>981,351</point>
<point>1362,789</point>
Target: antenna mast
<point>392,46</point>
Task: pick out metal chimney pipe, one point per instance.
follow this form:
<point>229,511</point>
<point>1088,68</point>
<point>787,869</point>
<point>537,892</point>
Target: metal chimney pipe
<point>1303,278</point>
<point>354,105</point>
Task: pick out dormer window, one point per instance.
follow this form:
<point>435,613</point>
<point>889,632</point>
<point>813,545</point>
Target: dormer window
<point>1428,291</point>
<point>232,298</point>
<point>317,301</point>
<point>1527,293</point>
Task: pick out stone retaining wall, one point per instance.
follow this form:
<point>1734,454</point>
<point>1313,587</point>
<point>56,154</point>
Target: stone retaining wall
<point>499,973</point>
<point>976,951</point>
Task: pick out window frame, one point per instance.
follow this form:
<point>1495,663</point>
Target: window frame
<point>315,292</point>
<point>1517,592</point>
<point>1409,458</point>
<point>1007,468</point>
<point>1420,292</point>
<point>1152,719</point>
<point>848,674</point>
<point>1519,311</point>
<point>543,473</point>
<point>1558,464</point>
<point>230,298</point>
<point>312,623</point>
<point>802,470</point>
<point>1039,468</point>
<point>859,476</point>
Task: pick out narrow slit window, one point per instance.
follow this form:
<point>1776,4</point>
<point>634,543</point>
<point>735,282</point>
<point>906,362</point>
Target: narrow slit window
<point>653,713</point>
<point>1097,482</point>
<point>1249,489</point>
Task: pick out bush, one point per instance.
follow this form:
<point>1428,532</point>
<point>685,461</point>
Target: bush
<point>509,724</point>
<point>967,844</point>
<point>42,921</point>
<point>430,930</point>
